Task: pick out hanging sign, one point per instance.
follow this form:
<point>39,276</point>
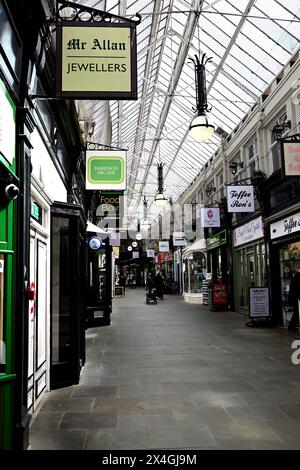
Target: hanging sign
<point>116,251</point>
<point>210,217</point>
<point>164,246</point>
<point>150,253</point>
<point>179,239</point>
<point>7,125</point>
<point>286,226</point>
<point>135,254</point>
<point>259,302</point>
<point>96,60</point>
<point>240,198</point>
<point>291,152</point>
<point>105,169</point>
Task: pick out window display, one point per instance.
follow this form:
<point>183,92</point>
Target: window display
<point>289,265</point>
<point>194,271</point>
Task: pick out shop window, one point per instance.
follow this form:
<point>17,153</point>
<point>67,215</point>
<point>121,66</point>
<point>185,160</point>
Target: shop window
<point>2,339</point>
<point>194,272</point>
<point>251,157</point>
<point>289,265</point>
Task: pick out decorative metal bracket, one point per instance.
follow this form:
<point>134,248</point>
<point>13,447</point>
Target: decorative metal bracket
<point>83,13</point>
<point>97,146</point>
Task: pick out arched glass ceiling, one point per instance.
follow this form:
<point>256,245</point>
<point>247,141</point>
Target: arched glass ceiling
<point>249,41</point>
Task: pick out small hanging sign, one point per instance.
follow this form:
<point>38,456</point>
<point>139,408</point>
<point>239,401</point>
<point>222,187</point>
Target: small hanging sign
<point>240,198</point>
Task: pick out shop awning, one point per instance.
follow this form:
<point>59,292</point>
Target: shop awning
<point>198,245</point>
<point>95,229</point>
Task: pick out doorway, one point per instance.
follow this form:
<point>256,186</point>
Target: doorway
<point>38,322</point>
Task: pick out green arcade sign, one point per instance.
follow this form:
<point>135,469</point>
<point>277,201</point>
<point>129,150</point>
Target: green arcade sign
<point>105,170</point>
<point>216,240</point>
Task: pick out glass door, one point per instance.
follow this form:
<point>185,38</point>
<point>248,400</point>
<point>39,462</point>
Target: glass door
<point>67,292</point>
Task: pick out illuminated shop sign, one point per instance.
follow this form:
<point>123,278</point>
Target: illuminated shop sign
<point>95,60</point>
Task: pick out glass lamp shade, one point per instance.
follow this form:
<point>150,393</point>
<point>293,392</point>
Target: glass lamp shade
<point>139,236</point>
<point>134,244</point>
<point>161,200</point>
<point>129,248</point>
<point>201,129</point>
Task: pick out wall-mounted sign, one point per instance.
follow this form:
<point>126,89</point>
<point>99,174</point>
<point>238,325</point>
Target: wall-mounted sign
<point>96,60</point>
<point>216,240</point>
<point>210,217</point>
<point>179,239</point>
<point>135,254</point>
<point>7,125</point>
<point>95,243</point>
<point>164,246</point>
<point>248,232</point>
<point>291,152</point>
<point>240,198</point>
<point>115,239</point>
<point>259,302</point>
<point>286,226</point>
<point>150,253</point>
<point>105,169</point>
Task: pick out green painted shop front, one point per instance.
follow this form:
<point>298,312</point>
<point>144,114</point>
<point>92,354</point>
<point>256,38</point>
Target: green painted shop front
<point>7,267</point>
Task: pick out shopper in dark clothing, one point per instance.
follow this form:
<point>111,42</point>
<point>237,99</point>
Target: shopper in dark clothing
<point>159,284</point>
<point>293,299</point>
<point>150,282</point>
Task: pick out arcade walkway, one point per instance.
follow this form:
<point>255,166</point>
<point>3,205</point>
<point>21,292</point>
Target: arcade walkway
<point>177,376</point>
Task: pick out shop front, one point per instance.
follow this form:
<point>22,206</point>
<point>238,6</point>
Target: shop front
<point>194,271</point>
<point>285,262</point>
<point>249,261</point>
<point>217,252</point>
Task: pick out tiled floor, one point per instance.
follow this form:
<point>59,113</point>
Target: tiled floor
<point>177,376</point>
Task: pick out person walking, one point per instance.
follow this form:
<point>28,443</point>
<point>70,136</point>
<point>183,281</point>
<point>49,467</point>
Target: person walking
<point>293,300</point>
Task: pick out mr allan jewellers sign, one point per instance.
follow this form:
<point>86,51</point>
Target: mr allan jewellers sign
<point>95,60</point>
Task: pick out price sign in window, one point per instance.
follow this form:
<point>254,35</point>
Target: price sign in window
<point>2,286</point>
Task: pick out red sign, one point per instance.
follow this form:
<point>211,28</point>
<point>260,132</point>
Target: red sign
<point>219,294</point>
<point>164,256</point>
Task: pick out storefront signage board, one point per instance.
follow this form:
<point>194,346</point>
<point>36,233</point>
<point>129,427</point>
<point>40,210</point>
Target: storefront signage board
<point>96,60</point>
<point>165,257</point>
<point>150,253</point>
<point>248,232</point>
<point>135,254</point>
<point>7,125</point>
<point>105,170</point>
<point>286,226</point>
<point>240,198</point>
<point>259,302</point>
<point>291,152</point>
<point>210,217</point>
<point>216,240</point>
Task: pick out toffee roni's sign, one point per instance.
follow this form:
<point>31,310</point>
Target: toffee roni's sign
<point>240,198</point>
<point>96,60</point>
<point>286,226</point>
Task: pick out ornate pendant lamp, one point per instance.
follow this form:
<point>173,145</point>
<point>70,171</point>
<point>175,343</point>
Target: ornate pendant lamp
<point>160,198</point>
<point>201,128</point>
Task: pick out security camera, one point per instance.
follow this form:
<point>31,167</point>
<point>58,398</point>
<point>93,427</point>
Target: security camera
<point>11,191</point>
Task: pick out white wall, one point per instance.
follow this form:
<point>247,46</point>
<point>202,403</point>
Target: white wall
<point>44,170</point>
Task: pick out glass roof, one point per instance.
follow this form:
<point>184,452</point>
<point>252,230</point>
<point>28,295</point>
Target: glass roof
<point>249,42</point>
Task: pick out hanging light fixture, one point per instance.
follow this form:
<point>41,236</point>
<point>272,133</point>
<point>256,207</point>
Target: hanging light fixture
<point>160,198</point>
<point>201,128</point>
<point>145,225</point>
